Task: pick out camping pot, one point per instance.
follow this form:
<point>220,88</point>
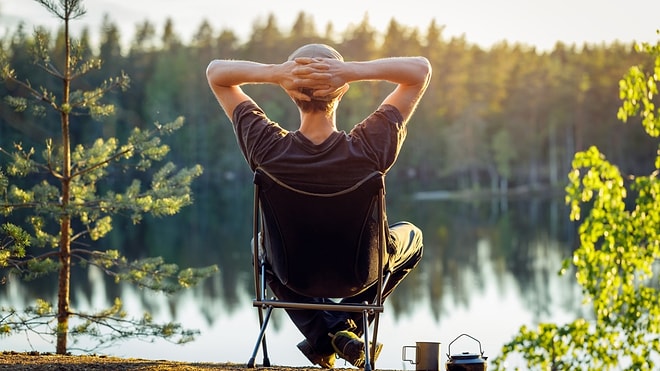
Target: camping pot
<point>466,361</point>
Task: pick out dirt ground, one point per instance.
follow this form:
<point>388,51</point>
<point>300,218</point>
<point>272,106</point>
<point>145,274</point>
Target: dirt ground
<point>52,362</point>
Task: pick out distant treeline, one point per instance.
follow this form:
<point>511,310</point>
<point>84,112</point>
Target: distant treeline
<point>495,118</point>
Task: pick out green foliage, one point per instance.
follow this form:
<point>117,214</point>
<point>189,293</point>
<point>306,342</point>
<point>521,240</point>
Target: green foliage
<point>69,191</point>
<point>637,90</point>
<point>617,259</point>
<point>13,242</point>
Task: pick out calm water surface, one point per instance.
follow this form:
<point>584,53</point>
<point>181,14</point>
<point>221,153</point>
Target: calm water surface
<point>488,268</point>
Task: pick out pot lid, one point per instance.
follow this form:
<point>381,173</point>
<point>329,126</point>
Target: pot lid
<point>465,355</point>
<point>465,358</point>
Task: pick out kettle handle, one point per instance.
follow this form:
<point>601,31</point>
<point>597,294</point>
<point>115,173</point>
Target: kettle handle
<point>449,346</point>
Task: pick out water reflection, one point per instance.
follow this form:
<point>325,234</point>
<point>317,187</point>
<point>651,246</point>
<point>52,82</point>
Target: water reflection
<point>488,267</point>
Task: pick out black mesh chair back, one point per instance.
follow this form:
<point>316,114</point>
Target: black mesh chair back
<point>311,239</point>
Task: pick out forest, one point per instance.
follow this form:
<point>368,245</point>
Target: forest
<point>497,119</point>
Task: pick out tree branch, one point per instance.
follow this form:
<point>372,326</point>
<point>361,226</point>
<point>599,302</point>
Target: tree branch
<point>104,162</point>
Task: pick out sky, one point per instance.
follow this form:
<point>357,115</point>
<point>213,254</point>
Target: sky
<point>537,23</point>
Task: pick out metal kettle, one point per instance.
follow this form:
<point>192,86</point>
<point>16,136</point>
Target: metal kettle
<point>466,361</point>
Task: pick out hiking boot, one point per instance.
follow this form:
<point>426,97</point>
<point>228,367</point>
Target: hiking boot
<point>351,348</point>
<point>325,361</point>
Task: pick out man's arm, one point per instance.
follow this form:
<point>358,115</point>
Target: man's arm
<point>410,74</point>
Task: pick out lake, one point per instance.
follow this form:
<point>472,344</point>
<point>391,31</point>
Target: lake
<point>489,266</point>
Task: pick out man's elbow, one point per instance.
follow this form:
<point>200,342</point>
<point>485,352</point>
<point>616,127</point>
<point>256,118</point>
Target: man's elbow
<point>211,70</point>
<point>424,69</point>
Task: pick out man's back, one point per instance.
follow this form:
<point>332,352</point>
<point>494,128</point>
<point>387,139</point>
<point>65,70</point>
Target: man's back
<point>340,161</point>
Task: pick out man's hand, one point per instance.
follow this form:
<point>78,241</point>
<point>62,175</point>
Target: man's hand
<point>313,74</point>
<point>326,72</point>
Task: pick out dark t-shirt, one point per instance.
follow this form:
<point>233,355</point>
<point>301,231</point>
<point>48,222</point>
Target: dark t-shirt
<point>339,162</point>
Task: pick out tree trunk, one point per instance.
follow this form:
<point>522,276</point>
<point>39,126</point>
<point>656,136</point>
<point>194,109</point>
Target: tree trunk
<point>63,286</point>
<point>64,279</point>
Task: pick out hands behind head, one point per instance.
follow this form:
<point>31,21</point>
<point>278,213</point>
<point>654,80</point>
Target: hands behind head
<point>318,74</point>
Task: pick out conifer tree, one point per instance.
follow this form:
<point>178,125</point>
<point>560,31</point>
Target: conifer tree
<point>53,198</point>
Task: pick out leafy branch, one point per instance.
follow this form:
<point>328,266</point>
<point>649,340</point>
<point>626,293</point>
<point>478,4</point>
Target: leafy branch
<point>617,259</point>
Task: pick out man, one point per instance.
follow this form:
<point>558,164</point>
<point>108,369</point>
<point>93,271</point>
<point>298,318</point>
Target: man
<point>319,156</point>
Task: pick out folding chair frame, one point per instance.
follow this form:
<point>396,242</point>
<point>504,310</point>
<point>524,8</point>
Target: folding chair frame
<point>266,305</point>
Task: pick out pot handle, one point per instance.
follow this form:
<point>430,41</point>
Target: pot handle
<point>449,346</point>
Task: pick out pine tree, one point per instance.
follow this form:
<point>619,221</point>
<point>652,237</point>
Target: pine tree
<point>66,192</point>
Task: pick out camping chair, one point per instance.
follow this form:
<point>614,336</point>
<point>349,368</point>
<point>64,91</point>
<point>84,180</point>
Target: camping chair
<point>324,245</point>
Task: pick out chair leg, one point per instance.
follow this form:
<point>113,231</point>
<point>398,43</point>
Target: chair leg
<point>370,352</point>
<point>261,339</point>
<point>365,326</point>
<point>374,339</point>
